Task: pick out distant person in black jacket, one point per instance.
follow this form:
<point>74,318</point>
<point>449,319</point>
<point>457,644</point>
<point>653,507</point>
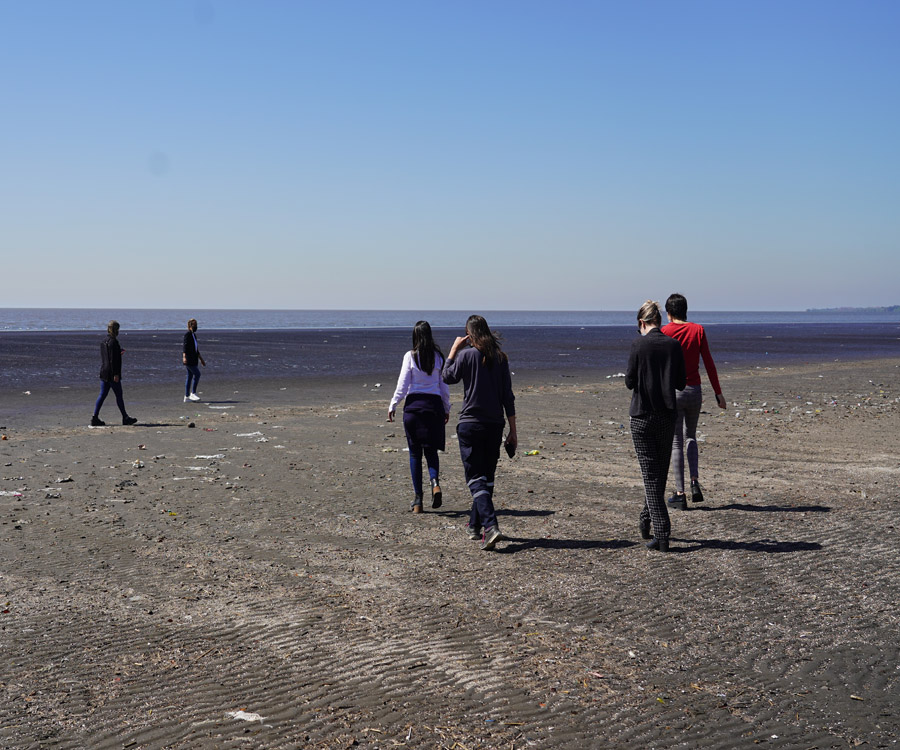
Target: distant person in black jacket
<point>190,355</point>
<point>111,375</point>
<point>655,371</point>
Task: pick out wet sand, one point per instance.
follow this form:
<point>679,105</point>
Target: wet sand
<point>157,580</point>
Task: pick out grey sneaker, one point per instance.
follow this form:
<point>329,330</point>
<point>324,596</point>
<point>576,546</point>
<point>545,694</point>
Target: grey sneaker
<point>473,532</point>
<point>492,535</point>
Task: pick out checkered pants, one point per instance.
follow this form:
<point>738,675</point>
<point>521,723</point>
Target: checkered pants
<point>652,435</point>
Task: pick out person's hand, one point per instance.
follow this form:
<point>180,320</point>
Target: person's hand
<point>115,378</point>
<point>512,440</point>
<point>391,416</point>
<point>202,361</point>
<point>461,343</point>
<point>720,400</point>
<point>446,417</point>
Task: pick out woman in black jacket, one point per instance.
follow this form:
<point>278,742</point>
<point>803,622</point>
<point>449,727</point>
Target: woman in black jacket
<point>655,371</point>
<point>111,375</point>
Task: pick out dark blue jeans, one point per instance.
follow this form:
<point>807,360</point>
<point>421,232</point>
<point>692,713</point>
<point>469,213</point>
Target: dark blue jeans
<point>479,447</point>
<point>104,392</point>
<point>193,374</point>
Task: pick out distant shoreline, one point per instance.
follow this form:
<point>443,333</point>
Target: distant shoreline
<point>872,310</point>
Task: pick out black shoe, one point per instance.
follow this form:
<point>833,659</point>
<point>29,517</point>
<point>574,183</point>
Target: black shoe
<point>97,422</point>
<point>678,502</point>
<point>436,494</point>
<point>696,492</point>
<point>658,544</point>
<point>129,420</point>
<point>645,528</point>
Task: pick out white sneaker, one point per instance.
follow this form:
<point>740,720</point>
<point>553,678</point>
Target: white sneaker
<point>194,397</point>
<point>186,399</point>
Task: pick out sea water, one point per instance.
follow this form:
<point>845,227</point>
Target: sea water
<point>370,345</point>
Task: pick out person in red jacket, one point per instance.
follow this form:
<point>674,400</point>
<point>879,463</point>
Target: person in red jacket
<point>694,344</point>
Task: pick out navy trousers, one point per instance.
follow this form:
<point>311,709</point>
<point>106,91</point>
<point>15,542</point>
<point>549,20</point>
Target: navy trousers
<point>105,388</point>
<point>479,447</point>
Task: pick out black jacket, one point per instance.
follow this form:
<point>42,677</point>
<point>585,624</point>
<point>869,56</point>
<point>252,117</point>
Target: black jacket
<point>110,359</point>
<point>190,349</point>
<point>655,371</point>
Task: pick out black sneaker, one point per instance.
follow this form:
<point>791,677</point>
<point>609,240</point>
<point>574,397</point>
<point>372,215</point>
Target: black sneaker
<point>696,492</point>
<point>97,422</point>
<point>129,420</point>
<point>678,502</point>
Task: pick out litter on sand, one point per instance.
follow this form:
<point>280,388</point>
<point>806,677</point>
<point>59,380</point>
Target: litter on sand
<point>244,716</point>
<point>215,455</point>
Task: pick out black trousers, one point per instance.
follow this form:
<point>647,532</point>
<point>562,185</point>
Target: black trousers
<point>652,435</point>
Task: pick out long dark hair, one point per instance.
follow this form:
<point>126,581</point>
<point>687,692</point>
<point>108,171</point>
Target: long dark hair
<point>482,338</point>
<point>424,347</point>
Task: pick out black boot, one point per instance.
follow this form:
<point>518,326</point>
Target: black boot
<point>645,528</point>
<point>436,494</point>
<point>658,544</point>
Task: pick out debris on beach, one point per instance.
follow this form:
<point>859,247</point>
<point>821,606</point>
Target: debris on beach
<point>244,716</point>
<point>532,453</point>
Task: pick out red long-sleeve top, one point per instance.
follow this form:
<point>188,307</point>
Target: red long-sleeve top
<point>693,342</point>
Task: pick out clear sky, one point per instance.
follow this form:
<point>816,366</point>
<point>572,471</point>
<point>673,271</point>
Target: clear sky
<point>489,154</point>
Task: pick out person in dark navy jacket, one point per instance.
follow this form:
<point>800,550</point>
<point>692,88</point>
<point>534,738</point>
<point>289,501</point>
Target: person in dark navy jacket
<point>190,356</point>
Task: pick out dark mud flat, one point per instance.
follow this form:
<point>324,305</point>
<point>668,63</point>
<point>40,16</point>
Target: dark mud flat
<point>257,582</point>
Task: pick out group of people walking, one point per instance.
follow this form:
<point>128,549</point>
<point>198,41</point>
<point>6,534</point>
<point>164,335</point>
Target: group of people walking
<point>111,370</point>
<point>477,360</point>
<point>663,374</point>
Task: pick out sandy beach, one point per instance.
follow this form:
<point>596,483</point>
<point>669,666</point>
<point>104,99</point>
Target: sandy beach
<point>256,580</point>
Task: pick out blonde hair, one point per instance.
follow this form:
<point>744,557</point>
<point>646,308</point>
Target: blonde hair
<point>112,328</point>
<point>192,322</point>
<point>649,313</point>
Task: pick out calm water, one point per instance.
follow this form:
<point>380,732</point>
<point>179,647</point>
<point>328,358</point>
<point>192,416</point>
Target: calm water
<point>30,360</point>
<point>51,319</point>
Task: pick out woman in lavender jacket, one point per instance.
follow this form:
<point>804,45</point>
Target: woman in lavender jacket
<point>426,411</point>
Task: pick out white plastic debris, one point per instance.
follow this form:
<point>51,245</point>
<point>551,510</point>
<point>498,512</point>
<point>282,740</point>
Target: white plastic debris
<point>244,716</point>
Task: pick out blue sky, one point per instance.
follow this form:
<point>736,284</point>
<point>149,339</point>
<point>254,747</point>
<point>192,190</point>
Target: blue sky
<point>482,155</point>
